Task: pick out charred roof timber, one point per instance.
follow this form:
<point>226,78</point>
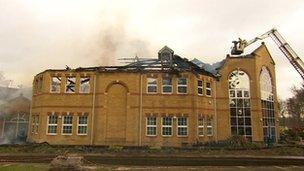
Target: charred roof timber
<point>167,61</point>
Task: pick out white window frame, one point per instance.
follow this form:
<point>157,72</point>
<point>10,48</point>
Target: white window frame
<point>209,127</point>
<point>153,85</point>
<point>182,126</point>
<point>209,89</point>
<point>51,85</point>
<point>48,124</point>
<point>200,87</point>
<point>200,126</point>
<point>67,83</point>
<point>63,125</point>
<point>151,126</point>
<point>167,85</point>
<point>182,85</point>
<point>83,85</point>
<point>167,126</point>
<point>79,125</point>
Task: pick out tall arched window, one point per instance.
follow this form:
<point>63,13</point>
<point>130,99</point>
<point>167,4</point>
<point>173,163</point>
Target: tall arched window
<point>267,103</point>
<point>239,97</point>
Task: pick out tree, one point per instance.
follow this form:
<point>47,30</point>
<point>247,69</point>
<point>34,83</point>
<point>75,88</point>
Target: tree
<point>295,106</point>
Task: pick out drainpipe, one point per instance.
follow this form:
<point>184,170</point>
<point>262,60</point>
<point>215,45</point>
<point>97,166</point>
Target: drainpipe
<point>215,112</point>
<point>93,110</point>
<point>140,110</point>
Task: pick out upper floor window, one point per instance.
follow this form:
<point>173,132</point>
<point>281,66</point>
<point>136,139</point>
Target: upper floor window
<point>84,85</point>
<point>200,87</point>
<point>182,85</point>
<point>55,84</point>
<point>70,86</point>
<point>208,89</point>
<point>167,85</point>
<point>152,85</point>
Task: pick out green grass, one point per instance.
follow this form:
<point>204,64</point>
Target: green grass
<point>23,167</point>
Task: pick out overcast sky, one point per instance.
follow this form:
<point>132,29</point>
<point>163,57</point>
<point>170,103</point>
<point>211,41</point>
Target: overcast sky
<point>36,35</point>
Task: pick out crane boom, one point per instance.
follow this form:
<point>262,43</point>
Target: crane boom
<point>291,55</point>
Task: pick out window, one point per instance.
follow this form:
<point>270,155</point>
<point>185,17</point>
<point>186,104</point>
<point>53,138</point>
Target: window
<point>35,124</point>
<point>200,87</point>
<point>84,85</point>
<point>55,84</point>
<point>267,103</point>
<point>167,126</point>
<point>240,104</point>
<point>182,126</point>
<point>152,85</point>
<point>151,126</point>
<point>167,85</point>
<point>70,85</point>
<point>209,126</point>
<point>52,124</point>
<point>208,89</point>
<point>182,85</point>
<point>200,127</point>
<point>82,127</point>
<point>67,125</point>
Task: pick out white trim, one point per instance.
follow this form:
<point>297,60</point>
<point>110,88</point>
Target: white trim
<point>182,85</point>
<point>63,124</point>
<point>209,126</point>
<point>167,126</point>
<point>200,87</point>
<point>152,126</point>
<point>166,85</point>
<point>48,124</point>
<point>208,88</point>
<point>152,85</point>
<point>82,134</point>
<point>200,126</point>
<point>182,126</point>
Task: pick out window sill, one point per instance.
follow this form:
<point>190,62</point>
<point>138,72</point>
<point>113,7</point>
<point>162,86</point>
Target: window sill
<point>182,136</point>
<point>151,136</point>
<point>51,134</point>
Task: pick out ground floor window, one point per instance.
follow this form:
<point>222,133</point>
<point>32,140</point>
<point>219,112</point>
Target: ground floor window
<point>35,124</point>
<point>151,126</point>
<point>200,127</point>
<point>209,126</point>
<point>52,124</point>
<point>268,121</point>
<point>67,125</point>
<point>82,125</point>
<point>182,126</point>
<point>167,126</point>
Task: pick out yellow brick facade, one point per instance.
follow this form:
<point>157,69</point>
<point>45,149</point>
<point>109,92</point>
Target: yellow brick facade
<point>118,105</point>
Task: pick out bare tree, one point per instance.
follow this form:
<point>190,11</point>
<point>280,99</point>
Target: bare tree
<point>295,106</point>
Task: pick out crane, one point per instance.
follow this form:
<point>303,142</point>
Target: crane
<point>294,59</point>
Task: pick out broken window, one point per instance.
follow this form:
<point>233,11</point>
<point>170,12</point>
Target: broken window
<point>52,124</point>
<point>200,87</point>
<point>70,86</point>
<point>85,85</point>
<point>55,84</point>
<point>167,85</point>
<point>182,85</point>
<point>67,125</point>
<point>82,127</point>
<point>152,85</point>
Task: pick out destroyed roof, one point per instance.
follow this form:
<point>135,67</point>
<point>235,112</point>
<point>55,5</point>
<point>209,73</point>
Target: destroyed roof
<point>212,68</point>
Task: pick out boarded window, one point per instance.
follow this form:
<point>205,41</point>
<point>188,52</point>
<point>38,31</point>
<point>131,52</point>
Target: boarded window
<point>70,85</point>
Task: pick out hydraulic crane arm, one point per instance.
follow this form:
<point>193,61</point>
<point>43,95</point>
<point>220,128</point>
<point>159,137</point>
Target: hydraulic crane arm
<point>291,55</point>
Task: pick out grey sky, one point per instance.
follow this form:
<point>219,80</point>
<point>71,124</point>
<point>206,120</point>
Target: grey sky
<point>37,34</point>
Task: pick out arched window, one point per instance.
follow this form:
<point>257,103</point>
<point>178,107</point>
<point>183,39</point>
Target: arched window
<point>239,97</point>
<point>267,103</point>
